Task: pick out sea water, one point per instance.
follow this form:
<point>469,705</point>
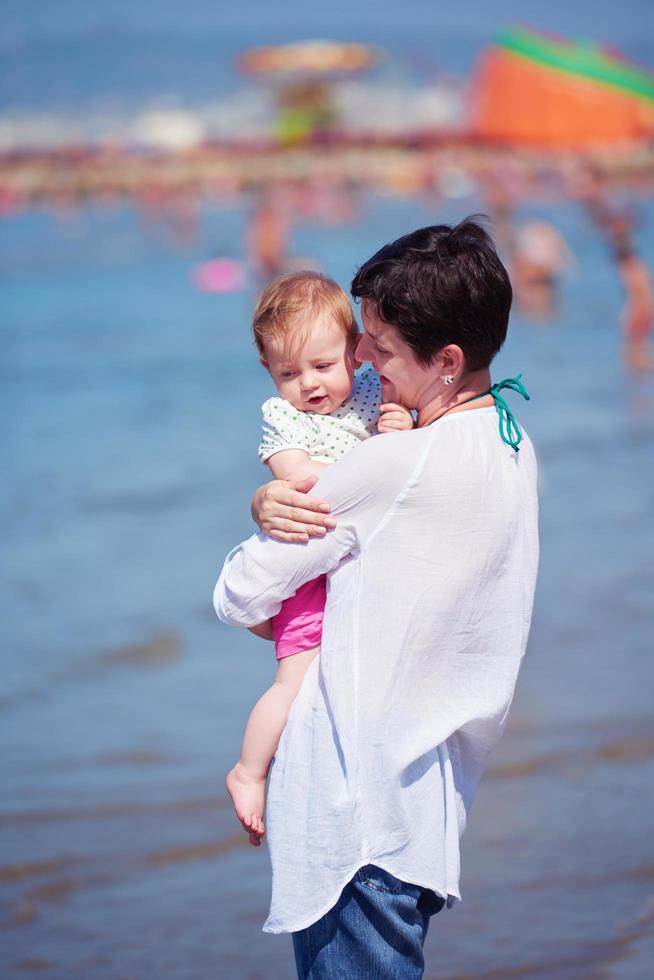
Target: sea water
<point>129,426</point>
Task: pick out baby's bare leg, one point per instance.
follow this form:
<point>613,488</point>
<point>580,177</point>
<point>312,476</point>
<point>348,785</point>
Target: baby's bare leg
<point>246,782</point>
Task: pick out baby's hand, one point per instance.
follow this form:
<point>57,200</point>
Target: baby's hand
<point>394,418</point>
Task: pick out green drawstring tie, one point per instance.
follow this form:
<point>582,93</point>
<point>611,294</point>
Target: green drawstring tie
<point>509,429</point>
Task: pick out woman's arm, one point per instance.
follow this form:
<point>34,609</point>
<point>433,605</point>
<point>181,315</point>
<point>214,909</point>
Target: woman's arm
<point>261,573</point>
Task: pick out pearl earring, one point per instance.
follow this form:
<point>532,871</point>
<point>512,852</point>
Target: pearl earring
<point>448,379</point>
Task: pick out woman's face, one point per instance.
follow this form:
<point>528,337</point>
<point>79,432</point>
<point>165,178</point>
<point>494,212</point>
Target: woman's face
<point>404,380</point>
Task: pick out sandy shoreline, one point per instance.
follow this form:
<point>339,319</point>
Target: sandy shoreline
<point>445,166</point>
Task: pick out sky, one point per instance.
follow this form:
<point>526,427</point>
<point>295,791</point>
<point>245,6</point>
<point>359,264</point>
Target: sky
<point>606,19</point>
<point>114,55</point>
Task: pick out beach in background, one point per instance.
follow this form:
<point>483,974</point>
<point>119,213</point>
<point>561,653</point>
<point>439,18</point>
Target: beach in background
<point>129,426</point>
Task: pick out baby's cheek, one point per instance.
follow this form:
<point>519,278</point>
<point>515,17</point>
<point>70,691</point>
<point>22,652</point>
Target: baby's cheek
<point>290,393</point>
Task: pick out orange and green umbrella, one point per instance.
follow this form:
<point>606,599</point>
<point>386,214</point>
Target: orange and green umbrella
<point>533,89</point>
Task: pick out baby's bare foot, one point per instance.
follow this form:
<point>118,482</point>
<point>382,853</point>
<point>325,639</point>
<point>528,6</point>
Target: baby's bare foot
<point>248,796</point>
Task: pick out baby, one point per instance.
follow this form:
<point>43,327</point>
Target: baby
<point>306,335</point>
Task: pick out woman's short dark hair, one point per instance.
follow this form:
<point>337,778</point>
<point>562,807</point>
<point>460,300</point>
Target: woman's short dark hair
<point>441,285</point>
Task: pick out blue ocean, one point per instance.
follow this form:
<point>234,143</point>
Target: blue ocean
<point>131,413</point>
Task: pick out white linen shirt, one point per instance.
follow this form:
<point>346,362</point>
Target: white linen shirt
<point>324,437</point>
<point>431,573</point>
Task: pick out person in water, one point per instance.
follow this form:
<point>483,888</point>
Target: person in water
<point>618,225</point>
<point>431,571</point>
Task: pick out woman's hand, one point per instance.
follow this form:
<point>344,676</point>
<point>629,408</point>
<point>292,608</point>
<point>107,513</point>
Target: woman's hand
<point>283,510</point>
<point>394,418</point>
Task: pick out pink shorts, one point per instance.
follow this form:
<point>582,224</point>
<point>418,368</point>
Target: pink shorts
<point>298,624</point>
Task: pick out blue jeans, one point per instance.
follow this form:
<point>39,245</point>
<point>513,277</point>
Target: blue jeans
<point>375,931</point>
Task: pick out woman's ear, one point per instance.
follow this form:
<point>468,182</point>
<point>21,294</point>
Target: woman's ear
<point>452,361</point>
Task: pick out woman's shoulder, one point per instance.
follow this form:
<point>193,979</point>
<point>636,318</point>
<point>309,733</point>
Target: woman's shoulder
<point>468,443</point>
<point>375,469</point>
<point>389,451</point>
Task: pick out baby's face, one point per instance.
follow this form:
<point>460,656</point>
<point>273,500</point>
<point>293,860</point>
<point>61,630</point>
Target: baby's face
<point>317,374</point>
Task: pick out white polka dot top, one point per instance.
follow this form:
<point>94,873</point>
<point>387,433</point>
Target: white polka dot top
<point>325,438</point>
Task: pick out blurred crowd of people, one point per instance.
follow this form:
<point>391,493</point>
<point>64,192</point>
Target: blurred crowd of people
<point>536,252</point>
<point>326,186</point>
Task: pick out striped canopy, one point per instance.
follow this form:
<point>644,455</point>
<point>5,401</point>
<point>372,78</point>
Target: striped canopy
<point>307,58</point>
<point>531,89</point>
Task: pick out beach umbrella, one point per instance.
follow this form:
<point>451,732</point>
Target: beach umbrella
<point>301,74</point>
<point>307,58</point>
<point>531,89</point>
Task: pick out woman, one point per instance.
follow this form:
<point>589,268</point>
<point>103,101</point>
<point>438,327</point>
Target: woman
<point>431,571</point>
